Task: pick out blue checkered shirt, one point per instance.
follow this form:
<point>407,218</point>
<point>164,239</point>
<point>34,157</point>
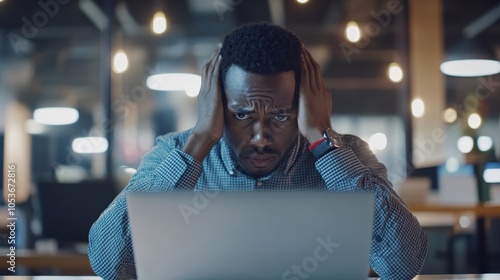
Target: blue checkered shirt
<point>399,245</point>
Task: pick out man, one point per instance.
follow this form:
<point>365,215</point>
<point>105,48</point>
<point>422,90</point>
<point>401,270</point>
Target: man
<point>264,123</point>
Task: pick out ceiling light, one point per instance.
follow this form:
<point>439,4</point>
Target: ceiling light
<point>470,59</point>
<point>352,32</point>
<point>33,127</point>
<point>120,62</point>
<point>90,145</point>
<point>465,144</point>
<point>395,73</point>
<point>464,221</point>
<point>470,67</point>
<point>192,90</point>
<point>130,170</point>
<point>159,23</point>
<point>55,115</point>
<point>189,83</point>
<point>474,121</point>
<point>378,141</point>
<point>418,108</point>
<point>450,115</point>
<point>302,1</point>
<point>492,175</point>
<point>452,165</point>
<point>484,143</point>
<point>70,173</point>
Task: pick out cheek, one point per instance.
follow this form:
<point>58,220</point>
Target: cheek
<point>234,134</point>
<point>286,135</point>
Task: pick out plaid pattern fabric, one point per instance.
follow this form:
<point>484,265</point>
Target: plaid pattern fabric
<point>399,245</point>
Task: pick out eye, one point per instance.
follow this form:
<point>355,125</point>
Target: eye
<point>280,118</point>
<point>241,116</point>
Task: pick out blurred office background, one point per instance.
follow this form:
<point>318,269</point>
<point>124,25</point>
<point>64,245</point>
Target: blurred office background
<point>112,66</point>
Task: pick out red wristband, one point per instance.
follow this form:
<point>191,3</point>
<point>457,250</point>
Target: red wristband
<point>316,143</point>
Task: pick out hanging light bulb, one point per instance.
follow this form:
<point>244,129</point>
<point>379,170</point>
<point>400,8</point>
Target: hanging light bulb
<point>120,62</point>
<point>450,115</point>
<point>395,72</point>
<point>465,144</point>
<point>378,141</point>
<point>484,143</point>
<point>159,23</point>
<point>352,32</point>
<point>474,121</point>
<point>418,108</point>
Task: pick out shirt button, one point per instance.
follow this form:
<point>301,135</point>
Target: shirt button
<point>231,172</point>
<point>259,183</point>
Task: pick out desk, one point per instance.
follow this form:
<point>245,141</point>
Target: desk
<point>65,262</point>
<point>486,210</point>
<point>458,276</point>
<point>480,211</point>
<point>420,277</point>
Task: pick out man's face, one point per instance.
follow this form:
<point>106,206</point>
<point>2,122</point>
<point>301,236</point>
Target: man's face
<point>260,118</point>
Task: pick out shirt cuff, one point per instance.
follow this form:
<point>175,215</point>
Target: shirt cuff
<point>340,169</point>
<point>175,165</point>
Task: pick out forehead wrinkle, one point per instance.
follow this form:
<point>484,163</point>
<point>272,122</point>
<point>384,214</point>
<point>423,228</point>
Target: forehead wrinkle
<point>252,89</point>
<point>282,110</point>
<point>254,105</point>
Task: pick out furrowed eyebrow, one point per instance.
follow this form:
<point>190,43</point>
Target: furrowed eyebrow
<point>282,111</point>
<point>248,110</point>
<point>239,109</point>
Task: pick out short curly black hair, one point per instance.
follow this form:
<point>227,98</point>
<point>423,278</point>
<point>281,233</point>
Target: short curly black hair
<point>262,48</point>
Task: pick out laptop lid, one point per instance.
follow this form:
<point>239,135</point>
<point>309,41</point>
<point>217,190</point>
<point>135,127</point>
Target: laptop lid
<point>251,235</point>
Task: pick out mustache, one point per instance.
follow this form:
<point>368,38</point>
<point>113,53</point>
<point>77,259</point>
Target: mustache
<point>258,150</point>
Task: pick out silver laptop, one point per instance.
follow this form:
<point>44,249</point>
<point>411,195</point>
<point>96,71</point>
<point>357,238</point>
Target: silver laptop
<point>251,235</point>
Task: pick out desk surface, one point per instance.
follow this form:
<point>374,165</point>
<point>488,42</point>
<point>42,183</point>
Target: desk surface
<point>421,277</point>
<point>479,210</point>
<point>65,262</point>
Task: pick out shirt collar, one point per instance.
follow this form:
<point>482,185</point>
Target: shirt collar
<point>227,160</point>
<point>294,153</point>
<point>285,165</point>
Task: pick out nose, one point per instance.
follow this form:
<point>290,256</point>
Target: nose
<point>261,135</point>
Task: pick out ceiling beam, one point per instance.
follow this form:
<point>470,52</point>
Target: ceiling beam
<point>277,9</point>
<point>94,13</point>
<point>483,22</point>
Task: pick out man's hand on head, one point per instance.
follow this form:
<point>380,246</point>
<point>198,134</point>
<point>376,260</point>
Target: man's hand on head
<point>315,101</point>
<point>210,124</point>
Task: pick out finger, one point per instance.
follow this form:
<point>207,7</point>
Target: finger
<point>310,69</point>
<point>315,71</point>
<point>213,57</point>
<point>216,71</point>
<point>215,53</point>
<point>208,69</point>
<point>215,62</point>
<point>304,79</point>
